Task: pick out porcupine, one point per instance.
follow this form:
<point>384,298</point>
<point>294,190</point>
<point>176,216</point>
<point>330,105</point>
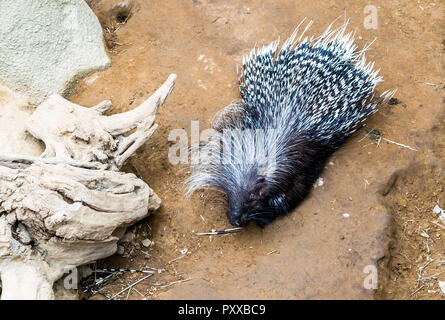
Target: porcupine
<point>298,105</point>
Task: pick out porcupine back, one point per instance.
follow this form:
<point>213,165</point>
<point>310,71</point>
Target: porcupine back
<point>304,101</point>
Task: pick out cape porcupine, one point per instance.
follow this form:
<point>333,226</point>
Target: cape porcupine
<point>299,104</point>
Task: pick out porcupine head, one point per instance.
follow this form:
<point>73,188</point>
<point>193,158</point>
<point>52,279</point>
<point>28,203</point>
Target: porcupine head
<point>298,105</point>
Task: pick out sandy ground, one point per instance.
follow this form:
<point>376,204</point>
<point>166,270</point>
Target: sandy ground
<point>387,191</point>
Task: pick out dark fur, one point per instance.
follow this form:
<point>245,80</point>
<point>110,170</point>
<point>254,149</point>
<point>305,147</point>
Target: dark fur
<point>262,201</point>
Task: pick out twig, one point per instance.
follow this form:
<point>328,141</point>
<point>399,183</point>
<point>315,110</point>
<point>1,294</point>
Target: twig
<point>214,232</point>
<point>421,269</point>
<point>377,137</point>
<point>427,238</point>
<point>434,276</point>
<point>378,142</point>
<point>131,286</point>
<point>417,290</point>
<point>165,285</point>
<point>438,224</point>
<point>366,135</point>
<point>146,253</point>
<point>98,282</point>
<point>180,257</point>
<point>112,270</point>
<point>400,144</point>
<point>137,291</point>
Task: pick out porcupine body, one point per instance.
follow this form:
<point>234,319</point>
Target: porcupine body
<point>299,105</point>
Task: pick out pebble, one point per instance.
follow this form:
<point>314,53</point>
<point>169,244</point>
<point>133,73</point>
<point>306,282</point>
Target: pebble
<point>120,250</point>
<point>146,243</point>
<point>128,237</point>
<point>393,101</point>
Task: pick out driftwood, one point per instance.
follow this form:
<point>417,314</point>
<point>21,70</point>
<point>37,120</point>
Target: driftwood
<point>70,206</point>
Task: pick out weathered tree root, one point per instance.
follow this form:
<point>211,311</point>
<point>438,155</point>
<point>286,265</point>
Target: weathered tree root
<point>70,206</point>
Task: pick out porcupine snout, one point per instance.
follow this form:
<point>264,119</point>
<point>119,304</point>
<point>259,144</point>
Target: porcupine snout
<point>254,208</point>
<point>235,217</point>
<point>238,210</point>
<point>243,200</point>
<point>256,201</point>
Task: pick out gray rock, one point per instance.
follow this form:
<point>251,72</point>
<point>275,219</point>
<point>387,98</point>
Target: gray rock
<point>47,45</point>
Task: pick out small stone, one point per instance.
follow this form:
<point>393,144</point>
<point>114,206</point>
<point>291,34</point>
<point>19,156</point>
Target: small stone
<point>120,250</point>
<point>146,243</point>
<point>23,235</point>
<point>393,101</point>
<point>438,210</point>
<point>318,183</point>
<point>128,237</point>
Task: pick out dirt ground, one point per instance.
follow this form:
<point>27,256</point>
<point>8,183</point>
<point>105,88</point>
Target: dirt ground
<point>375,208</point>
